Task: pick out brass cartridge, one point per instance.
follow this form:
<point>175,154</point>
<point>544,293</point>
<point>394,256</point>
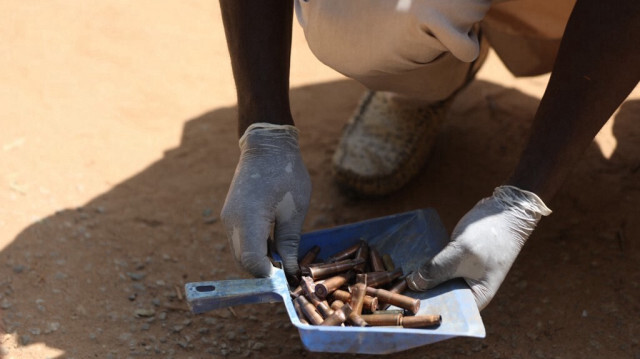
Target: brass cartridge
<point>296,292</point>
<point>357,320</point>
<point>362,253</point>
<point>370,303</point>
<point>394,319</point>
<point>327,270</point>
<point>388,262</point>
<point>326,287</point>
<point>421,321</point>
<point>375,261</point>
<point>296,306</point>
<point>345,254</point>
<point>399,300</point>
<point>358,292</point>
<point>399,286</point>
<point>310,312</point>
<point>376,279</point>
<point>310,256</point>
<point>309,291</point>
<point>338,317</point>
<point>337,304</point>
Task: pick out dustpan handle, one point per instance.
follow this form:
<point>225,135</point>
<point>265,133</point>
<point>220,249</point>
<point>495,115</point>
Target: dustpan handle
<point>205,296</point>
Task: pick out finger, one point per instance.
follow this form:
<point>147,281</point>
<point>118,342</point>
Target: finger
<point>248,242</point>
<point>480,292</point>
<point>289,219</point>
<point>439,269</point>
<point>287,240</point>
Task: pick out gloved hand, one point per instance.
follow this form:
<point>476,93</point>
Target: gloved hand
<point>485,243</point>
<point>271,187</point>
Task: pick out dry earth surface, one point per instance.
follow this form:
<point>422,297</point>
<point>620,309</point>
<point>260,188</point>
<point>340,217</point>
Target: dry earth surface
<point>118,144</point>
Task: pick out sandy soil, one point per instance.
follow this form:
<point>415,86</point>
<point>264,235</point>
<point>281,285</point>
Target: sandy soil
<point>118,145</point>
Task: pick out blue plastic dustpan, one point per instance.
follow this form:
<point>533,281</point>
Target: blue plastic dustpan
<point>410,238</point>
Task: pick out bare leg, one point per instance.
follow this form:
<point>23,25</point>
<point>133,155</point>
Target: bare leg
<point>259,40</point>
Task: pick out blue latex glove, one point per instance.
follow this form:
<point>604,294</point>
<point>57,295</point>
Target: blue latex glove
<point>270,188</point>
<point>484,243</point>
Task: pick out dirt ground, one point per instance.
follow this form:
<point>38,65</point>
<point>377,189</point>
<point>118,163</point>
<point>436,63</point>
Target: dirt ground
<point>118,144</point>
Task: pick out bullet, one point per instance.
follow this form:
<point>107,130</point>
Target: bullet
<point>338,317</point>
<point>421,321</point>
<point>400,286</point>
<point>345,254</point>
<point>399,300</point>
<point>362,253</point>
<point>337,304</point>
<point>329,285</point>
<point>375,261</point>
<point>357,320</point>
<point>388,262</point>
<point>296,292</point>
<point>309,311</point>
<point>376,279</point>
<point>309,291</point>
<point>358,292</point>
<point>383,319</point>
<point>327,270</point>
<point>370,303</point>
<point>296,306</point>
<point>310,256</point>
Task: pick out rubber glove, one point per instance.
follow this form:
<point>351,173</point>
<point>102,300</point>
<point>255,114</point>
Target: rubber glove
<point>485,243</point>
<point>270,188</point>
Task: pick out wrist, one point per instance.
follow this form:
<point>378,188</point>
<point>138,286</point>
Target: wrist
<point>526,200</point>
<point>269,113</point>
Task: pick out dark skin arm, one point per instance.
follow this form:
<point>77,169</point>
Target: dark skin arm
<point>596,69</point>
<point>259,40</point>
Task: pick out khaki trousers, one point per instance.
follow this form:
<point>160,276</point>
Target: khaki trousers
<point>425,48</point>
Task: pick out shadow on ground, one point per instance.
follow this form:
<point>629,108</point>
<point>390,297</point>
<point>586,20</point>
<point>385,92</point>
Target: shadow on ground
<point>105,279</point>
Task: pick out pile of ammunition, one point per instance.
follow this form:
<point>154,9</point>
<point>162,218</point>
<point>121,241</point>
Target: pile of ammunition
<point>349,289</point>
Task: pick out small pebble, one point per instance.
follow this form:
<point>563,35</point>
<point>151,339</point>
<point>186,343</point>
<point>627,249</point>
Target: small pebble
<point>136,275</point>
<point>144,313</point>
<point>5,304</point>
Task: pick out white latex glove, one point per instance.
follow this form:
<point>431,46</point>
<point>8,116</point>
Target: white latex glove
<point>484,243</point>
<point>271,187</point>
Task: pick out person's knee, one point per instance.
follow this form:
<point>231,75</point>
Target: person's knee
<point>364,38</point>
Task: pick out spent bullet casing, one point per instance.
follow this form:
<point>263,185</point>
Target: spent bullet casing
<point>375,261</point>
<point>421,321</point>
<point>308,287</point>
<point>337,304</point>
<point>329,269</point>
<point>357,320</point>
<point>376,279</point>
<point>399,300</point>
<point>309,311</point>
<point>362,253</point>
<point>338,317</point>
<point>358,292</point>
<point>345,254</point>
<point>370,303</point>
<point>326,287</point>
<point>310,256</point>
<point>301,317</point>
<point>394,319</point>
<point>388,262</point>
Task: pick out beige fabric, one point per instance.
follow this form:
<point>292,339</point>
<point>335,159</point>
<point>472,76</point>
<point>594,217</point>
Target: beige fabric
<point>423,47</point>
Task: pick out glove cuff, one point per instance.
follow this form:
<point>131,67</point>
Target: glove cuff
<point>514,196</point>
<point>267,128</point>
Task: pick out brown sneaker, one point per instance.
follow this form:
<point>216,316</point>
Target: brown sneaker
<point>386,142</point>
